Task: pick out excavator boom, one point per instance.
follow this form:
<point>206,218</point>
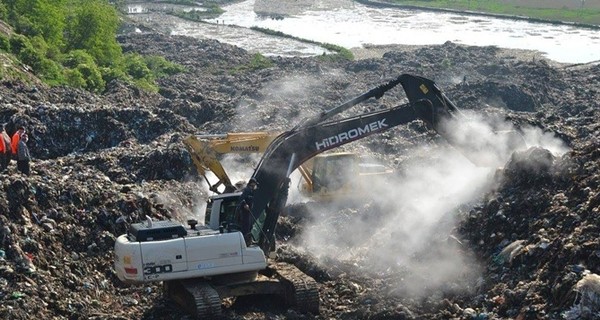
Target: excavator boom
<point>291,149</point>
<point>205,151</point>
<point>294,147</point>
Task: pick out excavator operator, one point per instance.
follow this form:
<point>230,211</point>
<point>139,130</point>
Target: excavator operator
<point>244,209</point>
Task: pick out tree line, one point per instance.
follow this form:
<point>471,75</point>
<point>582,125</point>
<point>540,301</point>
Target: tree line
<point>73,42</point>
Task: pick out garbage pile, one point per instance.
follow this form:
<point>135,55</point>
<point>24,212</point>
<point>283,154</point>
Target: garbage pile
<point>104,161</point>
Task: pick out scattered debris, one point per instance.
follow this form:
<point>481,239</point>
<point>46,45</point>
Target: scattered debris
<point>104,161</point>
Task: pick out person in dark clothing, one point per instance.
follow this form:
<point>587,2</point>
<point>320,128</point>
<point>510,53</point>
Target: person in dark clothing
<point>245,207</point>
<point>23,156</point>
<point>5,149</point>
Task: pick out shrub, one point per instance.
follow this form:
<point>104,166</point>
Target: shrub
<point>4,43</point>
<point>31,57</point>
<point>3,12</point>
<point>161,67</point>
<point>92,76</point>
<point>74,78</point>
<point>18,42</point>
<point>77,57</point>
<point>24,26</point>
<point>51,72</point>
<point>146,84</point>
<point>110,74</point>
<point>39,44</point>
<point>135,66</point>
<point>260,62</point>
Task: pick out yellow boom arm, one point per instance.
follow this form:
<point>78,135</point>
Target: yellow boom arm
<point>205,150</point>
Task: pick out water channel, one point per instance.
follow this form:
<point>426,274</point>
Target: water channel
<point>353,25</point>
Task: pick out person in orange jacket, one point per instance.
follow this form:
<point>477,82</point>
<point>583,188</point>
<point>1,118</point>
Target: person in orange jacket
<point>14,142</point>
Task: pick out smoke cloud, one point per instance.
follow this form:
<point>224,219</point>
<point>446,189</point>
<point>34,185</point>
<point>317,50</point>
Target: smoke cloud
<point>404,227</point>
<point>277,107</point>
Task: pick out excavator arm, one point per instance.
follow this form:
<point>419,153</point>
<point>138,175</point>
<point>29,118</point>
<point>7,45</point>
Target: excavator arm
<point>292,148</point>
<point>206,149</point>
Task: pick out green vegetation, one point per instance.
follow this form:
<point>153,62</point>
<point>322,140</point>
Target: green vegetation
<point>581,15</point>
<point>181,2</point>
<point>257,62</point>
<point>73,42</point>
<point>341,53</point>
<point>211,11</point>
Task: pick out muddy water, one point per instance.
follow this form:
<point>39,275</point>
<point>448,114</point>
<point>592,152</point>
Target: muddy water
<point>354,25</point>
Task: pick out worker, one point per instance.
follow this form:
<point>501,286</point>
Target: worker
<point>245,209</point>
<point>14,143</point>
<point>7,148</point>
<point>23,156</point>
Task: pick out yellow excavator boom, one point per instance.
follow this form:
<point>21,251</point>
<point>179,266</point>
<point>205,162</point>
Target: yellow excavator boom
<point>205,150</point>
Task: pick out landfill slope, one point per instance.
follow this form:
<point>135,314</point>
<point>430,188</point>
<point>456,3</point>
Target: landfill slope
<point>103,161</point>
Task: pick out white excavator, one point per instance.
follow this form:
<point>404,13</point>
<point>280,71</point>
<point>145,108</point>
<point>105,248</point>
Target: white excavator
<point>200,265</point>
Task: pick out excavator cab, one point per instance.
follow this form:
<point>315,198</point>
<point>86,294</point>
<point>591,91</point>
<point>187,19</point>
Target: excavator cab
<point>221,211</point>
<point>333,176</point>
<point>334,173</point>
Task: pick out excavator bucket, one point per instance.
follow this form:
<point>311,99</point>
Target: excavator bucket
<point>478,141</point>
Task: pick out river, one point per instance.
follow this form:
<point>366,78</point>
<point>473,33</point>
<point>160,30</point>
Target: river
<point>353,25</point>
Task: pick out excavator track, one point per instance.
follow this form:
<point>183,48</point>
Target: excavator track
<point>202,299</point>
<point>198,298</point>
<point>301,291</point>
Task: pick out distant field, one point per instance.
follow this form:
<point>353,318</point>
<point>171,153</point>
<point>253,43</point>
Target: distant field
<point>578,11</point>
<point>555,4</point>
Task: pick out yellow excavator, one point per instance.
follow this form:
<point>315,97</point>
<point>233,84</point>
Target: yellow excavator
<point>324,177</point>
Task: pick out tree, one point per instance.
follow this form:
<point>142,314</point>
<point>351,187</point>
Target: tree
<point>91,26</point>
<point>39,18</point>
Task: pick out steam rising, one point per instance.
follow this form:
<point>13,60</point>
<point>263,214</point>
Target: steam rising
<point>270,115</point>
<point>403,229</point>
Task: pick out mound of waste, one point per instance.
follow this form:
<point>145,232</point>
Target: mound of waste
<point>526,248</point>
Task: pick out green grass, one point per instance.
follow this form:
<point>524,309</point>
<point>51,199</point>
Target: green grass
<point>582,16</point>
<point>340,52</point>
<point>257,62</point>
<point>12,69</point>
<point>212,11</point>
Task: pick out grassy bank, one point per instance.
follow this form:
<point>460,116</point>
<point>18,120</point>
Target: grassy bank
<point>340,52</point>
<point>580,15</point>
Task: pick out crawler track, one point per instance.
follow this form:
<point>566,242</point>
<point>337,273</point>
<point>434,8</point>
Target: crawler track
<point>301,291</point>
<point>197,297</point>
<point>202,298</point>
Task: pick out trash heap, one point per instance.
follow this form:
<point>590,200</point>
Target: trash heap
<point>104,161</point>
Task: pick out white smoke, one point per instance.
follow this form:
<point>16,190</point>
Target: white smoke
<point>394,232</point>
<point>490,142</point>
<point>278,107</point>
<point>404,228</point>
